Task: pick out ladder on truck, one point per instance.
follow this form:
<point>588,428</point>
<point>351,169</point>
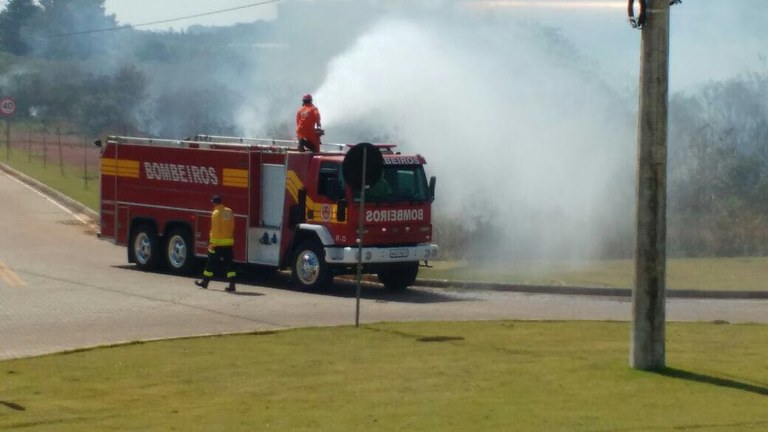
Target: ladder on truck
<point>263,142</point>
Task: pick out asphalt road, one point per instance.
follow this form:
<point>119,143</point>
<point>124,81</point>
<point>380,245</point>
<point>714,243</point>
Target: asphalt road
<point>61,288</point>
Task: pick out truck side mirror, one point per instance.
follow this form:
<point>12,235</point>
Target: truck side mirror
<point>341,210</point>
<point>333,189</point>
<point>432,183</point>
<point>298,213</point>
<point>302,198</point>
<point>97,143</point>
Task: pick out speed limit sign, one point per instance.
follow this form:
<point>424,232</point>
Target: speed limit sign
<point>7,106</point>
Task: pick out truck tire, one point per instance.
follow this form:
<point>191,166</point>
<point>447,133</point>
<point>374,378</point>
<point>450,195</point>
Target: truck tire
<point>399,276</point>
<point>180,251</point>
<point>309,269</point>
<point>144,247</point>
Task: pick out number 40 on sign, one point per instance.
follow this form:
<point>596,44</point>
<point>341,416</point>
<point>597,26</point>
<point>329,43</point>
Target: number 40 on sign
<point>7,106</point>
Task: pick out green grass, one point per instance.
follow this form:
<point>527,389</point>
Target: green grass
<point>472,376</point>
<point>750,274</point>
<point>71,183</point>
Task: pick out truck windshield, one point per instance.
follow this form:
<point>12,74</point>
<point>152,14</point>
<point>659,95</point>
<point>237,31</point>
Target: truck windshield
<point>399,183</point>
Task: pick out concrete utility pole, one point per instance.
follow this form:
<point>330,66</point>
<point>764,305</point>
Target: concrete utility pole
<point>647,347</point>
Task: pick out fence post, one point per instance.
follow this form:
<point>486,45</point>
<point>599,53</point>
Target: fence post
<point>85,161</point>
<point>8,139</point>
<point>61,155</point>
<point>29,144</point>
<point>45,146</point>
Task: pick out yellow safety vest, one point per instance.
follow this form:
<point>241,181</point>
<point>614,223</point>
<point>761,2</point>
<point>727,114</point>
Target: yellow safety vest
<point>222,227</point>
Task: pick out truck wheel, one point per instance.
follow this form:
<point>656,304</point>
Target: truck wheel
<point>145,247</point>
<point>400,276</point>
<point>309,269</point>
<point>179,251</point>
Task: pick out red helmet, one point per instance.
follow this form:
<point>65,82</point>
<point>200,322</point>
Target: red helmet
<point>307,98</point>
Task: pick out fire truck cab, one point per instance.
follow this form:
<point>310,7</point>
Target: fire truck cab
<point>292,209</point>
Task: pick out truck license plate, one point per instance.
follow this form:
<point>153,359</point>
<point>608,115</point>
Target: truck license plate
<point>398,253</point>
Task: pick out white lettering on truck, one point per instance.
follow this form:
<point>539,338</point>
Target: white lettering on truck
<point>181,173</point>
<point>402,160</point>
<point>401,215</point>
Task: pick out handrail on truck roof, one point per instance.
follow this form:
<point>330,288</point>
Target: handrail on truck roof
<point>236,142</point>
<point>206,141</point>
<point>258,141</point>
<point>266,144</point>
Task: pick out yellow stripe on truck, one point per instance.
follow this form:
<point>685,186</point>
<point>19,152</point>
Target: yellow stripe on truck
<point>235,177</point>
<point>120,167</point>
<point>293,184</point>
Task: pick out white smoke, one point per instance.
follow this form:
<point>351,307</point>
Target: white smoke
<point>510,120</point>
<point>517,124</point>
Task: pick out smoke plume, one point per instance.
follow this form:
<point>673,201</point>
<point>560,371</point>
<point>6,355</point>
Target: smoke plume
<point>518,128</point>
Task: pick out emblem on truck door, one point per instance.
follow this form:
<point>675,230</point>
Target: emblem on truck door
<point>325,213</point>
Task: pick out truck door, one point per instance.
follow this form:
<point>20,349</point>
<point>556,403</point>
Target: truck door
<point>264,239</point>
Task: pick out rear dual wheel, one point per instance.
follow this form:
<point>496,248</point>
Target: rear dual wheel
<point>179,251</point>
<point>144,247</point>
<point>146,250</point>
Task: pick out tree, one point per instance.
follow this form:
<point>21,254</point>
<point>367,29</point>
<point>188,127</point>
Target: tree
<point>113,103</point>
<point>62,29</point>
<point>192,111</point>
<point>719,169</point>
<point>14,19</point>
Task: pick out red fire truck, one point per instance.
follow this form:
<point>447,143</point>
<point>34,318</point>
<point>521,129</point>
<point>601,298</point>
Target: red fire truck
<point>292,209</point>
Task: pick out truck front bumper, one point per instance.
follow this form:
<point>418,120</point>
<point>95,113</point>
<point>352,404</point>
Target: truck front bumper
<point>376,255</point>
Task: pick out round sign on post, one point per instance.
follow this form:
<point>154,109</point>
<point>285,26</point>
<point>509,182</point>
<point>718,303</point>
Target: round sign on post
<point>7,106</point>
<point>352,167</point>
<point>363,165</point>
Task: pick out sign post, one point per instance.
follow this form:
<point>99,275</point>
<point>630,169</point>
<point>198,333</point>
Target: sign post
<point>7,109</point>
<point>362,168</point>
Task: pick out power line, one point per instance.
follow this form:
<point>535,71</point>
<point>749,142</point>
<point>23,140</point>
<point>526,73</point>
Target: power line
<point>127,26</point>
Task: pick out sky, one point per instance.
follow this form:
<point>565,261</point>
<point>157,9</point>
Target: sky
<point>144,11</point>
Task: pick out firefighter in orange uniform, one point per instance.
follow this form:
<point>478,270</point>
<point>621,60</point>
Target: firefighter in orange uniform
<point>308,128</point>
<point>220,243</point>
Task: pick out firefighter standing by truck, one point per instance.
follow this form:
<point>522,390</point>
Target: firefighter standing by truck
<point>220,243</point>
<point>308,128</point>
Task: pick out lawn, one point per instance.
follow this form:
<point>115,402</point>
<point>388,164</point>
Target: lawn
<point>67,178</point>
<point>470,376</point>
<point>728,274</point>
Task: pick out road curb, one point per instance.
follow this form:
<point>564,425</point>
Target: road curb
<point>55,195</point>
<point>591,291</point>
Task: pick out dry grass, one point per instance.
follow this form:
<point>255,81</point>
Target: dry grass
<point>750,274</point>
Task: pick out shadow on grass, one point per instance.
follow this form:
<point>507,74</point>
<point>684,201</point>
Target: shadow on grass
<point>707,379</point>
<point>13,405</point>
